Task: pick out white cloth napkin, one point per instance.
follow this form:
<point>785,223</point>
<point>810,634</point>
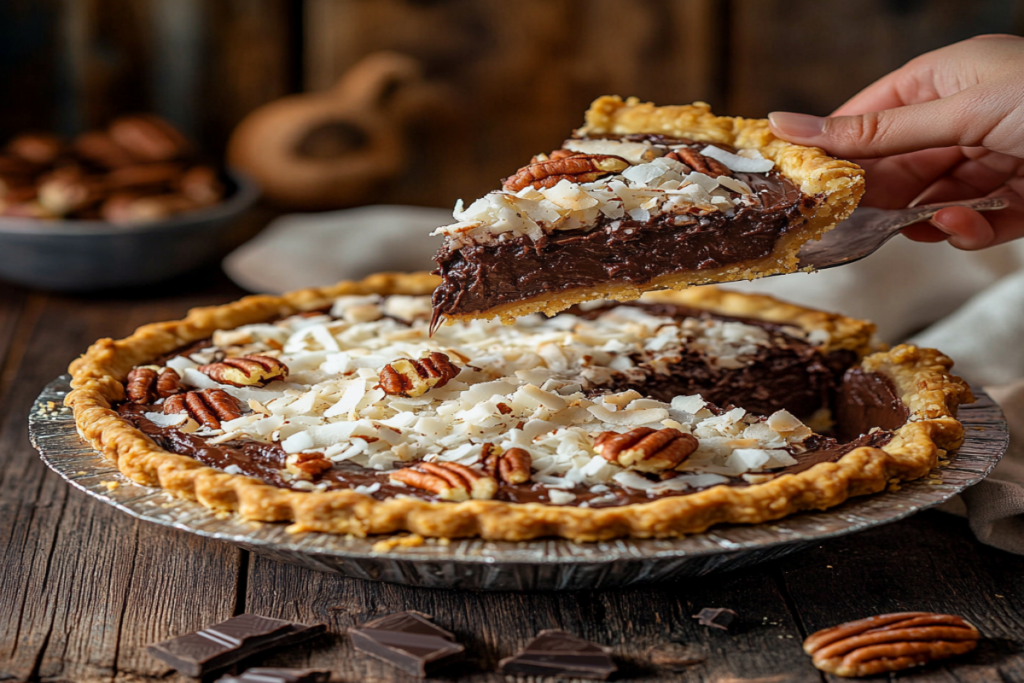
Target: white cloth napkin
<point>968,304</point>
<point>318,249</point>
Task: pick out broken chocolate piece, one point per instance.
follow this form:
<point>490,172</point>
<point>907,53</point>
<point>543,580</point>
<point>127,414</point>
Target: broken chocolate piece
<point>197,654</point>
<point>409,641</point>
<point>269,675</point>
<point>557,653</point>
<point>715,617</point>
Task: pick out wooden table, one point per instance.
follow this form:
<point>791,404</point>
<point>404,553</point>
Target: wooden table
<point>84,587</point>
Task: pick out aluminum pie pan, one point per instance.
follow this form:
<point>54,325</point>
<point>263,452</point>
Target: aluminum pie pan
<point>547,564</point>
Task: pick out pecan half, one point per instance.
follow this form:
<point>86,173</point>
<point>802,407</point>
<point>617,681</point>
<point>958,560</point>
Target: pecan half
<point>557,154</point>
<point>201,185</point>
<point>66,190</point>
<point>143,176</point>
<point>511,467</point>
<point>578,168</point>
<point>307,465</point>
<point>145,385</point>
<point>148,137</point>
<point>41,149</point>
<point>246,371</point>
<point>208,407</point>
<point>698,162</point>
<point>448,481</point>
<point>99,148</point>
<point>646,449</point>
<point>408,377</point>
<point>890,642</point>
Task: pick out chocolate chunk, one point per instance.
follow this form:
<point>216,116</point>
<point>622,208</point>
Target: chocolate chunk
<point>557,653</point>
<point>409,641</point>
<point>197,654</point>
<point>267,675</point>
<point>715,617</point>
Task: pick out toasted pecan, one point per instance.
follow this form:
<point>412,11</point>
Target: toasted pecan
<point>646,449</point>
<point>577,168</point>
<point>698,162</point>
<point>408,377</point>
<point>246,371</point>
<point>208,407</point>
<point>513,466</point>
<point>145,385</point>
<point>448,481</point>
<point>890,642</point>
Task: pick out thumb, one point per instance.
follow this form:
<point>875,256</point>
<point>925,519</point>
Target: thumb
<point>876,134</point>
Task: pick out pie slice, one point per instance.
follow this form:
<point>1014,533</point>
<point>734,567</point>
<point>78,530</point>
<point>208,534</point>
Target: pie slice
<point>640,198</point>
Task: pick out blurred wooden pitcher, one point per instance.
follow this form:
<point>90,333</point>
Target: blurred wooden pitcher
<point>333,149</point>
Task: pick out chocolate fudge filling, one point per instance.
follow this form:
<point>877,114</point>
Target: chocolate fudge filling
<point>478,278</point>
<point>264,461</point>
<point>867,400</point>
<point>791,375</point>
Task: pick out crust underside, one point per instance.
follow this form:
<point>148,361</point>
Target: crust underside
<point>921,377</point>
<point>837,185</point>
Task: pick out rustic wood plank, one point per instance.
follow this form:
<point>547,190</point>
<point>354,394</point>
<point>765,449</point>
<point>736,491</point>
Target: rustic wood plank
<point>517,79</point>
<point>76,65</point>
<point>29,65</point>
<point>234,77</point>
<point>494,625</point>
<point>79,574</point>
<point>180,583</point>
<point>810,56</point>
<point>15,326</point>
<point>929,563</point>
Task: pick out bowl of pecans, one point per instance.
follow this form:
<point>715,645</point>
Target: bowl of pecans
<point>129,205</point>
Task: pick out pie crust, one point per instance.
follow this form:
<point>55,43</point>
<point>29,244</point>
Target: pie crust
<point>920,376</point>
<point>838,184</point>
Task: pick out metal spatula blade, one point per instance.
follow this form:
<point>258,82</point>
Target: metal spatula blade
<point>868,229</point>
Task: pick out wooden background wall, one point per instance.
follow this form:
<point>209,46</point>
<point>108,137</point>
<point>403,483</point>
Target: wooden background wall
<point>516,75</point>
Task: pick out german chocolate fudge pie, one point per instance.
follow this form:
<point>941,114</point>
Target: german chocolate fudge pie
<point>336,410</point>
<point>640,198</point>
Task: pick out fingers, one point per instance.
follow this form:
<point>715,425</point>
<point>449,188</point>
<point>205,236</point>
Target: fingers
<point>971,230</point>
<point>940,123</point>
<point>972,177</point>
<point>893,182</point>
<point>966,229</point>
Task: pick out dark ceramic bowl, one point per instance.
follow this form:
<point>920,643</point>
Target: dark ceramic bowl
<point>91,255</point>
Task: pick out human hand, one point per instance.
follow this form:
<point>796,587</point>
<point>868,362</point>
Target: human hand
<point>948,125</point>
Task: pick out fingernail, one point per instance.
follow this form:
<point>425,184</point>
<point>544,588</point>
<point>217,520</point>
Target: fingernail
<point>791,124</point>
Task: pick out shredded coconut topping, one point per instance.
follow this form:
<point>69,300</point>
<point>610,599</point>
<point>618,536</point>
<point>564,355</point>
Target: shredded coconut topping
<point>652,186</point>
<point>539,384</point>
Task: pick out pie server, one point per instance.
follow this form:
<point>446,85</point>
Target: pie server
<point>868,229</point>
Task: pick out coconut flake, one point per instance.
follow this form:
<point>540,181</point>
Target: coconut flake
<point>161,420</point>
<point>561,497</point>
<point>737,163</point>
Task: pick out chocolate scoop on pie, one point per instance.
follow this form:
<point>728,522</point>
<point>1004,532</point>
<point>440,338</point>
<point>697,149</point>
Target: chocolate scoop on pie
<point>335,409</point>
<point>641,198</point>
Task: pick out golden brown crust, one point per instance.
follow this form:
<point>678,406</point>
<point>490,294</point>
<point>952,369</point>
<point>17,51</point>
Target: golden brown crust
<point>921,377</point>
<point>837,183</point>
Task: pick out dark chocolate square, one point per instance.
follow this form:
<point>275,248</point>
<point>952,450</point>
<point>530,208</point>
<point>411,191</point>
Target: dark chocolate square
<point>199,653</point>
<point>275,675</point>
<point>409,641</point>
<point>557,653</point>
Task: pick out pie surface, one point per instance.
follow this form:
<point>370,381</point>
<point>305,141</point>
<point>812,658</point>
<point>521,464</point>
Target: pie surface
<point>641,198</point>
<point>658,418</point>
